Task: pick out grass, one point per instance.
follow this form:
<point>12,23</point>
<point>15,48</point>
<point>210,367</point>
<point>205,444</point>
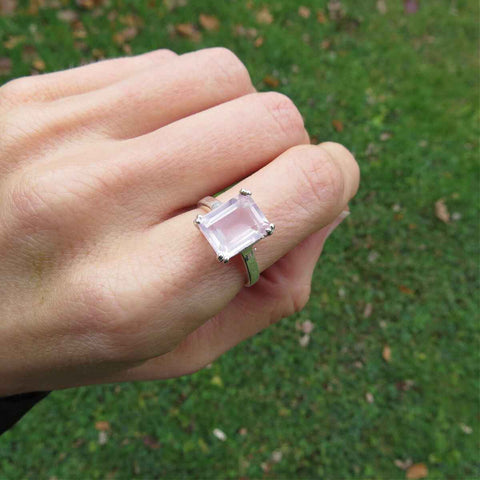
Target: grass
<point>405,89</point>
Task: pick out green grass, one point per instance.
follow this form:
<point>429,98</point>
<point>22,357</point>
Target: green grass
<point>405,88</point>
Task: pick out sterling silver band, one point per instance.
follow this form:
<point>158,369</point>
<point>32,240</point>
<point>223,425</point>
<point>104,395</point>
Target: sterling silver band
<point>249,260</point>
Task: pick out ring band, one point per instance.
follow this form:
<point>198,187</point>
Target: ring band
<point>234,227</point>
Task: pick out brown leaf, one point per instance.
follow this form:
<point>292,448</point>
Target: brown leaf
<point>13,41</point>
<point>337,125</point>
<point>125,35</point>
<point>68,16</point>
<point>209,22</point>
<point>403,464</point>
<point>335,10</point>
<point>102,426</point>
<point>173,4</point>
<point>5,66</point>
<point>151,442</point>
<point>188,30</point>
<point>304,12</point>
<point>416,471</point>
<point>326,44</point>
<point>405,290</point>
<point>441,211</point>
<point>38,64</point>
<point>259,42</point>
<point>264,16</point>
<point>271,81</point>
<point>321,18</point>
<point>387,354</point>
<point>7,7</point>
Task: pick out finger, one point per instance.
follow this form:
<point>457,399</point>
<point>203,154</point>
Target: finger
<point>208,152</point>
<point>158,96</point>
<point>301,191</point>
<point>283,290</point>
<point>76,81</point>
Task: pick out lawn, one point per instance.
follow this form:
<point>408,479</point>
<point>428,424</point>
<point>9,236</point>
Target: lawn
<point>390,374</point>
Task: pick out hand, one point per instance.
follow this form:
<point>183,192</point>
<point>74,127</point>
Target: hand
<point>103,275</point>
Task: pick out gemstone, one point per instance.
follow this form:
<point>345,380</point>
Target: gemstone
<point>234,226</point>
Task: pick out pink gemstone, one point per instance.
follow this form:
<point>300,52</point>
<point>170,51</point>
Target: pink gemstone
<point>234,226</point>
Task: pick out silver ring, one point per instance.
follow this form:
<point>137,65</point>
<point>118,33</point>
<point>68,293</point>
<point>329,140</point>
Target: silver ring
<point>233,227</point>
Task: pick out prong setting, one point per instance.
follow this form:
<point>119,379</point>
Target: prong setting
<point>223,259</point>
<point>270,229</point>
<point>198,220</point>
<point>245,192</point>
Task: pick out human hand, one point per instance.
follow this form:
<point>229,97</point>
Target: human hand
<point>104,276</point>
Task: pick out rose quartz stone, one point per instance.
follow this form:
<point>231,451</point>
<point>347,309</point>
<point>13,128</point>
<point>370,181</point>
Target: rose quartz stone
<point>234,226</point>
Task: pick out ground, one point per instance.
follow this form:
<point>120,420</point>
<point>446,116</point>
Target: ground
<point>389,376</point>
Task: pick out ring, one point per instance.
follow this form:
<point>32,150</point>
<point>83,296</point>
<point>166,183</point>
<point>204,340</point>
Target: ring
<point>233,228</point>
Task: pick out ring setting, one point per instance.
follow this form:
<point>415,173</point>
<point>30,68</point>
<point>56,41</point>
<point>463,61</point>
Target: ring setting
<point>233,227</point>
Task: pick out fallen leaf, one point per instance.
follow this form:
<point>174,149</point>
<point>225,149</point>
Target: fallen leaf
<point>243,431</point>
<point>326,44</point>
<point>38,64</point>
<point>241,31</point>
<point>102,425</point>
<point>410,6</point>
<point>405,290</point>
<point>151,442</point>
<point>387,354</point>
<point>219,434</point>
<point>367,312</point>
<point>441,211</point>
<point>5,66</point>
<point>173,4</point>
<point>264,16</point>
<point>369,397</point>
<point>271,81</point>
<point>304,12</point>
<point>7,7</point>
<point>13,41</point>
<point>259,42</point>
<point>416,471</point>
<point>385,136</point>
<point>209,22</point>
<point>188,30</point>
<point>337,125</point>
<point>321,18</point>
<point>125,35</point>
<point>403,464</point>
<point>382,7</point>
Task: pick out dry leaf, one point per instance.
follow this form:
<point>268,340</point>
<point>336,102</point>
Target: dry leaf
<point>7,7</point>
<point>304,341</point>
<point>417,470</point>
<point>68,16</point>
<point>335,10</point>
<point>102,425</point>
<point>125,35</point>
<point>151,442</point>
<point>326,44</point>
<point>441,211</point>
<point>243,431</point>
<point>13,41</point>
<point>259,42</point>
<point>209,22</point>
<point>369,397</point>
<point>337,125</point>
<point>382,7</point>
<point>5,66</point>
<point>264,16</point>
<point>304,12</point>
<point>405,290</point>
<point>387,353</point>
<point>367,312</point>
<point>271,81</point>
<point>321,18</point>
<point>188,30</point>
<point>173,4</point>
<point>38,64</point>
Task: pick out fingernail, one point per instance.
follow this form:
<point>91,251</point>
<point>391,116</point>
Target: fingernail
<point>337,222</point>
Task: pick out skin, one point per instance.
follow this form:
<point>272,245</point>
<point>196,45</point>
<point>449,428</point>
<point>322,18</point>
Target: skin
<point>104,277</point>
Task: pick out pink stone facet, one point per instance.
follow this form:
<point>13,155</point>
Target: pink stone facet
<point>234,226</point>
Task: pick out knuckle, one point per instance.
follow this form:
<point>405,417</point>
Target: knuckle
<point>321,174</point>
<point>231,68</point>
<point>283,112</point>
<point>16,91</point>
